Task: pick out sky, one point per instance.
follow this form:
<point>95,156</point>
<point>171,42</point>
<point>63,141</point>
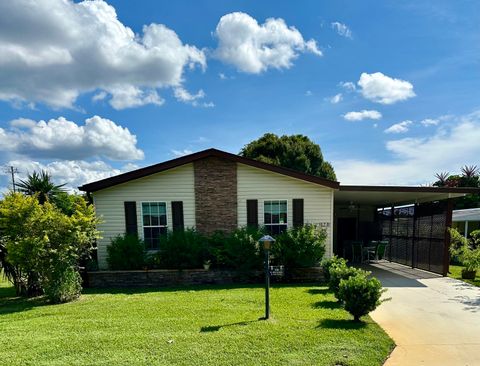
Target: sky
<point>388,89</point>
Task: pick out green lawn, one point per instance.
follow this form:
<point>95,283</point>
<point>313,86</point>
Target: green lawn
<point>188,326</point>
<point>456,272</point>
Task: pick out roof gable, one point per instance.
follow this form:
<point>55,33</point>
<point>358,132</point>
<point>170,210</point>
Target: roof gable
<point>152,169</point>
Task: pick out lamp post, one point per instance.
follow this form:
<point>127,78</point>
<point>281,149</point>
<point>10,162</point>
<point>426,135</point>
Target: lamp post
<point>267,241</point>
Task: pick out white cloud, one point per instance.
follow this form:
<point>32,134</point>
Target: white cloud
<point>361,115</point>
<point>185,96</point>
<point>337,98</point>
<point>99,96</point>
<point>342,29</point>
<point>427,122</point>
<point>416,160</point>
<point>63,139</point>
<point>72,173</point>
<point>183,152</point>
<point>308,93</point>
<point>23,123</point>
<point>430,122</point>
<point>380,88</point>
<point>128,96</point>
<point>254,48</point>
<point>400,127</point>
<point>52,51</point>
<point>347,85</point>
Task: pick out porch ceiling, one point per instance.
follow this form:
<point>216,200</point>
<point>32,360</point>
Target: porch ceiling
<point>384,196</point>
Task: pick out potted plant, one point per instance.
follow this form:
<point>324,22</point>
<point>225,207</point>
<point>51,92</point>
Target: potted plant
<point>206,264</point>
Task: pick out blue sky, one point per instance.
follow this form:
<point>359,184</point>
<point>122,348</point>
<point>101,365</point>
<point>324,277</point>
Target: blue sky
<point>410,70</point>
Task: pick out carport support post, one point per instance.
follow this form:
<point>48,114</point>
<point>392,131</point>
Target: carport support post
<point>446,247</point>
<point>414,235</point>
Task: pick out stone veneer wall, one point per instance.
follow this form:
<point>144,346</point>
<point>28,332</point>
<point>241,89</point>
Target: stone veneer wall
<point>215,195</point>
<point>189,277</point>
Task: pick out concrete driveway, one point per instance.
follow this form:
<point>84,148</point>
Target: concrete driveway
<point>433,320</point>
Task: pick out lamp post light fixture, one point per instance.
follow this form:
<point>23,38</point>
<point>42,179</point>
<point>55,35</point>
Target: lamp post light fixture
<point>267,242</point>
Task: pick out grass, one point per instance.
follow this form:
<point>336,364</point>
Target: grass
<point>188,326</point>
<point>456,272</point>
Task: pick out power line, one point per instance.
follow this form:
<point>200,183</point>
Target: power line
<point>12,171</point>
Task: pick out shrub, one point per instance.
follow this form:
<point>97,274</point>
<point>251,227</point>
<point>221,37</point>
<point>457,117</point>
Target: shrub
<point>181,249</point>
<point>360,294</point>
<point>62,285</point>
<point>44,245</point>
<point>475,238</point>
<point>300,247</point>
<point>340,272</point>
<point>241,250</point>
<point>126,252</point>
<point>328,263</point>
<point>464,251</point>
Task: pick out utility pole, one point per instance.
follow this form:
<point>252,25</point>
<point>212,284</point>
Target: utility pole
<point>11,170</point>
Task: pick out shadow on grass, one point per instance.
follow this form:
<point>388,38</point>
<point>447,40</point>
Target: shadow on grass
<point>318,291</point>
<point>18,304</point>
<point>340,324</point>
<point>216,328</point>
<point>325,304</point>
<point>7,292</point>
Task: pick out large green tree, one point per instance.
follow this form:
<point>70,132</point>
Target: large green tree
<point>295,152</point>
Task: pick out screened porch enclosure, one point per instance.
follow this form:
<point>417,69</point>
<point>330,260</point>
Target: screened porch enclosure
<point>417,235</point>
<point>414,222</point>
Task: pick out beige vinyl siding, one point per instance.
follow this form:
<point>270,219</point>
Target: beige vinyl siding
<point>263,185</point>
<point>176,184</point>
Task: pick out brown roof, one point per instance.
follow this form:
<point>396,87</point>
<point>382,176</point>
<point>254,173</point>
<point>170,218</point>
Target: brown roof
<point>152,169</point>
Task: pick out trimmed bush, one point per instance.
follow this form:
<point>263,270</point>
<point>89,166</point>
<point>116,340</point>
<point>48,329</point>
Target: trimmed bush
<point>328,263</point>
<point>182,249</point>
<point>126,252</point>
<point>62,285</point>
<point>300,247</point>
<point>241,250</point>
<point>360,294</point>
<point>339,272</point>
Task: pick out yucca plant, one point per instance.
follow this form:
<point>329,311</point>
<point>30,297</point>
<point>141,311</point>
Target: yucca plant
<point>441,179</point>
<point>40,184</point>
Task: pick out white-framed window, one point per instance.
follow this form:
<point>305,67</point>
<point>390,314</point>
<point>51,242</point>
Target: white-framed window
<point>275,216</point>
<point>154,218</point>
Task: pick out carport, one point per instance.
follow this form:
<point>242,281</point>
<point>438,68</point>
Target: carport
<point>414,221</point>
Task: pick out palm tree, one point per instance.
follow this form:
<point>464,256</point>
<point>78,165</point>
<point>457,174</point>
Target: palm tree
<point>42,185</point>
<point>442,179</point>
<point>470,171</point>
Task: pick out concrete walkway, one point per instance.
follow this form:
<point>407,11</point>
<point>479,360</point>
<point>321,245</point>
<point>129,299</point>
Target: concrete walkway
<point>433,320</point>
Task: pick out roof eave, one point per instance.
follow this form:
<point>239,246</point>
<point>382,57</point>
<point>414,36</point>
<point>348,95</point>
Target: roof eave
<point>157,168</point>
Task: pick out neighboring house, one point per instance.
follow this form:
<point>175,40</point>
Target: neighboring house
<point>466,221</point>
<point>214,190</point>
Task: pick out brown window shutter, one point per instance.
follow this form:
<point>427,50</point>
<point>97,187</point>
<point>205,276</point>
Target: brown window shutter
<point>131,217</point>
<point>252,213</point>
<point>177,215</point>
<point>297,204</point>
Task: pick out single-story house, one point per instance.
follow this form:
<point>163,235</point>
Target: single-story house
<point>466,221</point>
<point>215,190</point>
